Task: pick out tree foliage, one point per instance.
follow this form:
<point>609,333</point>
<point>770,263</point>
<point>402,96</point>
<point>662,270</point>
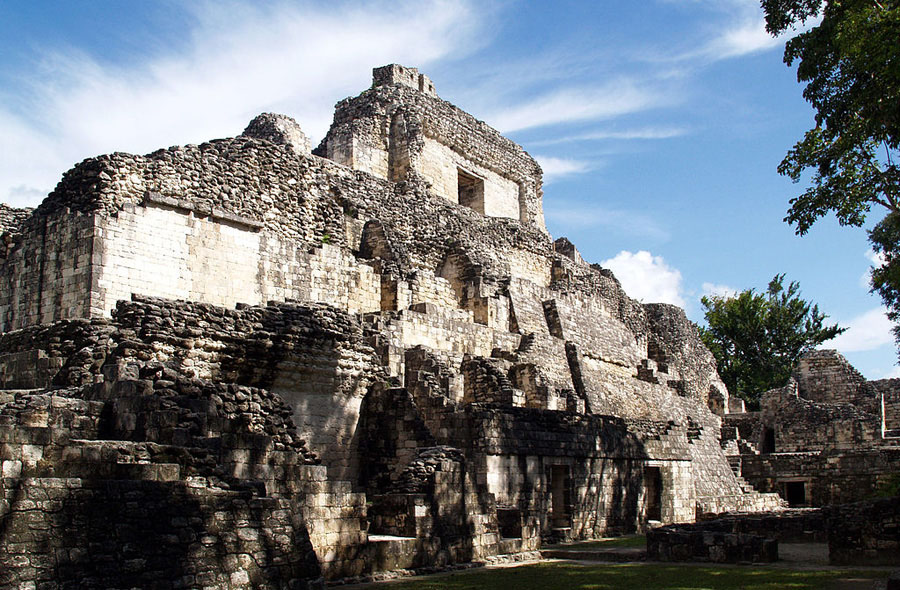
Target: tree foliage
<point>758,337</point>
<point>850,63</point>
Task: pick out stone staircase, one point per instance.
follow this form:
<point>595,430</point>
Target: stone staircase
<point>721,489</point>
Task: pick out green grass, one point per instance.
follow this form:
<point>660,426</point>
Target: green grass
<point>550,576</point>
<point>624,541</point>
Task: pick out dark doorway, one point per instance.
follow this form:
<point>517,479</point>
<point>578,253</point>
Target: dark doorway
<point>653,493</point>
<point>768,442</point>
<point>795,493</point>
<point>559,496</point>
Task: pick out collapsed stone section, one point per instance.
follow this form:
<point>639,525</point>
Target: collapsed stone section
<point>279,129</point>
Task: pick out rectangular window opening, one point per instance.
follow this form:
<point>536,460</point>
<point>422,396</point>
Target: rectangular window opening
<point>795,493</point>
<point>470,190</point>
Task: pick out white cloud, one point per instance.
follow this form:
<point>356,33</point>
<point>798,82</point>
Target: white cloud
<point>555,168</point>
<point>642,133</point>
<point>747,35</point>
<point>613,99</point>
<point>714,290</point>
<point>867,331</point>
<point>239,59</point>
<point>646,277</point>
<point>741,31</point>
<point>876,259</point>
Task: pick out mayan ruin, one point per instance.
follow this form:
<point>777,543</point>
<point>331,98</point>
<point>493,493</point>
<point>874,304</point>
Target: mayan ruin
<point>255,363</point>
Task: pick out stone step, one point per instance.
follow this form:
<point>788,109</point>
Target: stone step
<point>610,554</point>
<point>389,553</point>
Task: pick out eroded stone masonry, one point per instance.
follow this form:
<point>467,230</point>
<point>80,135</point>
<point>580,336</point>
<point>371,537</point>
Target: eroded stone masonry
<point>247,363</point>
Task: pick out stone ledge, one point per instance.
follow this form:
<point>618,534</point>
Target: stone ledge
<point>215,213</point>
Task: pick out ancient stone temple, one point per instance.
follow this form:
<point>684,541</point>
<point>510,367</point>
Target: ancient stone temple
<point>249,364</point>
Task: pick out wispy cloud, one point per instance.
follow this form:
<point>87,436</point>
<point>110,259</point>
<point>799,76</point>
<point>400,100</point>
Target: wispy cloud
<point>641,133</point>
<point>738,30</point>
<point>241,58</point>
<point>893,373</point>
<point>745,36</point>
<point>867,331</point>
<point>568,105</point>
<point>555,168</point>
<point>876,259</point>
<point>646,277</point>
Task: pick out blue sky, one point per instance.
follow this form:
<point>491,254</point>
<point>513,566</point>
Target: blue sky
<point>659,124</point>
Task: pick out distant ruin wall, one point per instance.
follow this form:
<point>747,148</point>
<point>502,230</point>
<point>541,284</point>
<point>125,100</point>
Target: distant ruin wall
<point>801,425</point>
<point>828,478</point>
<point>825,376</point>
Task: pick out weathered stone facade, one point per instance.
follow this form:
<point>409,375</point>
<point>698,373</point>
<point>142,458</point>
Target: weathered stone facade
<point>828,437</point>
<point>367,357</point>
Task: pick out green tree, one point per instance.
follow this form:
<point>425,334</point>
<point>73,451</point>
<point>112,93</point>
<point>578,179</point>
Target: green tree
<point>758,337</point>
<point>850,63</point>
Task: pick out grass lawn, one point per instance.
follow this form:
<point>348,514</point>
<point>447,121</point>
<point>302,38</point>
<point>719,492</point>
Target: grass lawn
<point>551,576</point>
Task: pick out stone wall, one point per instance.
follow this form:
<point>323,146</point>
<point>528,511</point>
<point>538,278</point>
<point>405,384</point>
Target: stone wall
<point>829,477</point>
<point>676,543</point>
<point>803,425</point>
<point>825,376</point>
<point>66,532</point>
<point>864,533</point>
<point>47,273</point>
<point>11,220</point>
<point>736,538</point>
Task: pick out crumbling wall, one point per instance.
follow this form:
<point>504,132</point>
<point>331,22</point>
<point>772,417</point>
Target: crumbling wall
<point>136,533</point>
<point>825,376</point>
<point>11,218</point>
<point>803,425</point>
<point>314,357</point>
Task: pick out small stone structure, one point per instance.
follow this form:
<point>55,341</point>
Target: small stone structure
<point>828,437</point>
<point>242,364</point>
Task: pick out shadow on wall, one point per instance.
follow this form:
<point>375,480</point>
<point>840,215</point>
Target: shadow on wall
<point>137,533</point>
